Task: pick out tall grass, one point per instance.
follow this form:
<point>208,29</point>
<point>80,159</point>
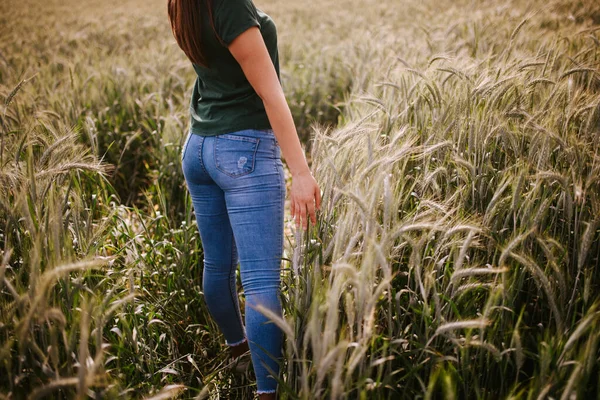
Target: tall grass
<point>51,325</point>
<point>456,254</point>
<point>458,250</point>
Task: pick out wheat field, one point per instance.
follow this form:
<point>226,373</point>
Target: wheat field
<point>457,252</point>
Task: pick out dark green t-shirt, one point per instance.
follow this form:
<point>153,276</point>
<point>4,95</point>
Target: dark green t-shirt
<point>223,100</point>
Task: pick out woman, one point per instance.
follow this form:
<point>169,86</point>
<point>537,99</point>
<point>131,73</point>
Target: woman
<point>240,122</point>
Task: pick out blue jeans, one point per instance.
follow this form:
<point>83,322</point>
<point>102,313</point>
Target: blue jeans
<point>237,185</point>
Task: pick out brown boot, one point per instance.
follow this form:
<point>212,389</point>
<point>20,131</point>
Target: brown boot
<point>240,362</point>
<point>239,349</point>
<point>267,396</point>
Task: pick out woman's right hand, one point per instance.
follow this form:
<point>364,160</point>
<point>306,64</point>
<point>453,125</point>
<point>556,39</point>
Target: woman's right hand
<point>305,196</point>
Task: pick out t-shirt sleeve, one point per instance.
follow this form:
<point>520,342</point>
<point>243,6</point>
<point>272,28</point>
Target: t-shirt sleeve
<point>233,17</point>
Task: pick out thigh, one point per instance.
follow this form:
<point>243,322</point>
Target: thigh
<point>209,204</point>
<point>251,175</point>
<point>218,243</point>
<point>256,215</point>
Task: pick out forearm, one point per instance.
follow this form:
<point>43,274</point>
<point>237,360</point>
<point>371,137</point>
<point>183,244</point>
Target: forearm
<point>281,120</point>
<point>250,52</point>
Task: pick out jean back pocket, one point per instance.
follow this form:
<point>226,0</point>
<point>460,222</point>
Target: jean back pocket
<point>235,155</point>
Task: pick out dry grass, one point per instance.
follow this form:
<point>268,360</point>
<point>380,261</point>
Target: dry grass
<point>456,254</point>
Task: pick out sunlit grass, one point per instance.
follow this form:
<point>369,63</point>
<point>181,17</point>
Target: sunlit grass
<point>456,253</point>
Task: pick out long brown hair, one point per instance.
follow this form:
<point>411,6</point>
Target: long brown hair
<point>186,22</point>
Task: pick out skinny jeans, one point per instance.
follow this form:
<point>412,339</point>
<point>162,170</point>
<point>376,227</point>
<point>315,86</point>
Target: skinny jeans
<point>237,186</point>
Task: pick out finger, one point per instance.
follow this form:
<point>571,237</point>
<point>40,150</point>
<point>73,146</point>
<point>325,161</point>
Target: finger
<point>318,197</point>
<point>303,216</point>
<point>297,215</point>
<point>311,212</point>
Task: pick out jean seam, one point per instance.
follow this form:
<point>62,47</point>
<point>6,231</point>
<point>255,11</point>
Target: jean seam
<point>200,150</point>
<point>186,145</point>
<point>232,268</point>
<point>280,211</point>
<point>232,136</point>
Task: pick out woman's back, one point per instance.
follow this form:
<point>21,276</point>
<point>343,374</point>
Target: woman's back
<point>223,100</point>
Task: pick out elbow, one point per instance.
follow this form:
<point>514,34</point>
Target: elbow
<point>270,97</point>
<point>261,94</point>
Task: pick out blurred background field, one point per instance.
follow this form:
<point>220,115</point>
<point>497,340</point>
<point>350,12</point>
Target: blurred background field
<point>456,255</point>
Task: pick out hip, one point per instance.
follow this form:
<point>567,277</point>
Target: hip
<point>233,159</point>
